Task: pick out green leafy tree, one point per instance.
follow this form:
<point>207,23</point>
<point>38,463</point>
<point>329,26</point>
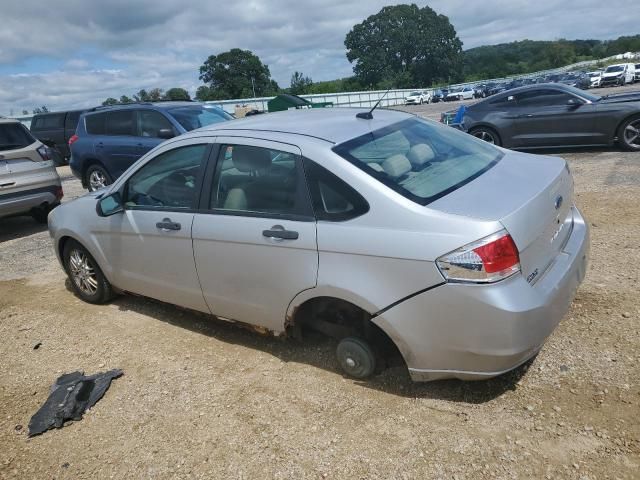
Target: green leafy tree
<point>110,101</point>
<point>124,100</point>
<point>300,84</point>
<point>141,96</point>
<point>42,109</point>
<point>235,74</point>
<point>177,94</point>
<point>406,46</point>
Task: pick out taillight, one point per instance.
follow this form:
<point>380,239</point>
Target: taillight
<point>44,152</point>
<point>488,260</point>
<point>59,193</point>
<point>73,139</point>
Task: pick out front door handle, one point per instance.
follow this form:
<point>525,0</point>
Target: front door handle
<point>278,231</point>
<point>166,225</point>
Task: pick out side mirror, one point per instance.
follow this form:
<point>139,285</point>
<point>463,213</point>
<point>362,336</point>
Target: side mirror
<point>165,133</point>
<point>109,205</point>
<point>574,102</point>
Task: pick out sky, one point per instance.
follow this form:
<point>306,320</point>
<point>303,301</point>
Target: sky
<point>76,53</point>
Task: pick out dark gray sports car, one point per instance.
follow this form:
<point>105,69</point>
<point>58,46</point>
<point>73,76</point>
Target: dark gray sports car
<point>554,115</point>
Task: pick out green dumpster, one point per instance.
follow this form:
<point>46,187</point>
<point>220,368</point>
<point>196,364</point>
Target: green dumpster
<point>286,101</point>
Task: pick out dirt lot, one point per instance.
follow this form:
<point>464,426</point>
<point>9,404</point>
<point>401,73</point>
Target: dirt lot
<point>204,399</point>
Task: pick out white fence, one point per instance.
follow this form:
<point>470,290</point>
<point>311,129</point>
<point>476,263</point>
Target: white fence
<point>394,97</point>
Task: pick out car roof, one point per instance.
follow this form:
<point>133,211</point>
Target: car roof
<point>335,125</point>
<point>4,120</point>
<point>158,105</point>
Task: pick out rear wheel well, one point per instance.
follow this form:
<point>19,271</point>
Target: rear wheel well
<point>339,319</point>
<point>85,167</point>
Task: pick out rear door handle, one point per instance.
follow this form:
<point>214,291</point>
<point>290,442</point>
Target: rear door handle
<point>278,231</point>
<point>166,225</point>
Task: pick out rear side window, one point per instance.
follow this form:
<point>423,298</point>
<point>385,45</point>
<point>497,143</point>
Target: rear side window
<point>50,121</point>
<point>543,98</point>
<point>14,136</point>
<point>120,123</point>
<point>332,198</point>
<point>95,123</point>
<point>71,122</point>
<point>420,160</point>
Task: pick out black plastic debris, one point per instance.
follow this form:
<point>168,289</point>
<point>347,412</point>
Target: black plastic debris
<point>70,397</point>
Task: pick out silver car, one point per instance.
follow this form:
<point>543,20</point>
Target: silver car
<point>29,182</point>
<point>388,232</point>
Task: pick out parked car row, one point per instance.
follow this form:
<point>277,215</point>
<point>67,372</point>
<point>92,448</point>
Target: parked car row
<point>552,115</point>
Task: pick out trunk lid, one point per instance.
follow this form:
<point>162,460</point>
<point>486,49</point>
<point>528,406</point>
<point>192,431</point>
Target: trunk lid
<point>531,196</point>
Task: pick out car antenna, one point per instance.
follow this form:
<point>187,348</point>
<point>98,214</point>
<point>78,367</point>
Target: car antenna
<point>368,115</point>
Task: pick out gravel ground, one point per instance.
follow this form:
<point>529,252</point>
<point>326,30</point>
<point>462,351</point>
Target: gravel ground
<point>205,399</point>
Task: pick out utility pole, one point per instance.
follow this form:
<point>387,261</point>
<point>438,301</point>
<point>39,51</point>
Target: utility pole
<point>253,85</point>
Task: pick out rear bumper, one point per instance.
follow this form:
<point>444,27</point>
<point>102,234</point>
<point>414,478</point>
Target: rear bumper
<point>24,201</point>
<point>481,331</point>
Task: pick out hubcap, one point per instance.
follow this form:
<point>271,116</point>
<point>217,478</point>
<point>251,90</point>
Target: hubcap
<point>350,362</point>
<point>82,273</point>
<point>486,136</point>
<point>97,180</point>
<point>632,134</point>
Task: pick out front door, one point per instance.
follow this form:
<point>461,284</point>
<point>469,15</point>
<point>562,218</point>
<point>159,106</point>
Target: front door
<point>545,119</point>
<point>149,244</point>
<point>150,122</point>
<point>255,247</point>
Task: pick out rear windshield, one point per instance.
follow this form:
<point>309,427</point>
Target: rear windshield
<point>196,116</point>
<point>421,160</point>
<point>14,136</point>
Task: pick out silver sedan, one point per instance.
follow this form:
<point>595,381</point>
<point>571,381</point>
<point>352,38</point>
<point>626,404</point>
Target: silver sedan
<point>388,232</point>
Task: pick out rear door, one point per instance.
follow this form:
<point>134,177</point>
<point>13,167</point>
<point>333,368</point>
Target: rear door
<point>119,146</point>
<point>49,129</point>
<point>545,119</point>
<point>255,240</point>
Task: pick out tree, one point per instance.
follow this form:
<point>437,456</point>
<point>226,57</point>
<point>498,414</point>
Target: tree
<point>42,109</point>
<point>300,84</point>
<point>177,94</point>
<point>124,100</point>
<point>110,101</point>
<point>235,74</point>
<point>141,96</point>
<point>25,112</point>
<point>405,44</point>
<point>155,95</point>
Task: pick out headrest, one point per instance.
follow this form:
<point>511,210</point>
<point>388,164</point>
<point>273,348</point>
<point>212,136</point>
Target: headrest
<point>396,165</point>
<point>249,159</point>
<point>420,154</point>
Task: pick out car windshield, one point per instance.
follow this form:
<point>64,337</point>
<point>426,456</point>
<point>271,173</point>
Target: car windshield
<point>414,94</point>
<point>14,136</point>
<point>614,68</point>
<point>421,160</point>
<point>196,116</point>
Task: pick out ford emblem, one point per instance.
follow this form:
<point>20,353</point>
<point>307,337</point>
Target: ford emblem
<point>559,200</point>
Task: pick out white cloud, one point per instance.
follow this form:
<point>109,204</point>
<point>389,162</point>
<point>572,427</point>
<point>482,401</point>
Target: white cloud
<point>102,49</point>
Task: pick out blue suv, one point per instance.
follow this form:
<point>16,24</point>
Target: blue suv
<point>109,140</point>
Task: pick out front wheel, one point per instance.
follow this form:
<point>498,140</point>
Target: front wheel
<point>97,178</point>
<point>629,134</point>
<point>487,134</point>
<point>87,280</point>
<point>356,357</point>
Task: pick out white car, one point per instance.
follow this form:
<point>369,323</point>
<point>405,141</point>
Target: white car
<point>465,93</point>
<point>619,74</point>
<point>417,98</point>
<point>595,77</point>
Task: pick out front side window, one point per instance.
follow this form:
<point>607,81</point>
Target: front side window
<point>151,122</point>
<point>259,180</point>
<point>120,123</point>
<point>543,98</point>
<point>197,116</point>
<point>168,181</point>
<point>420,160</point>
